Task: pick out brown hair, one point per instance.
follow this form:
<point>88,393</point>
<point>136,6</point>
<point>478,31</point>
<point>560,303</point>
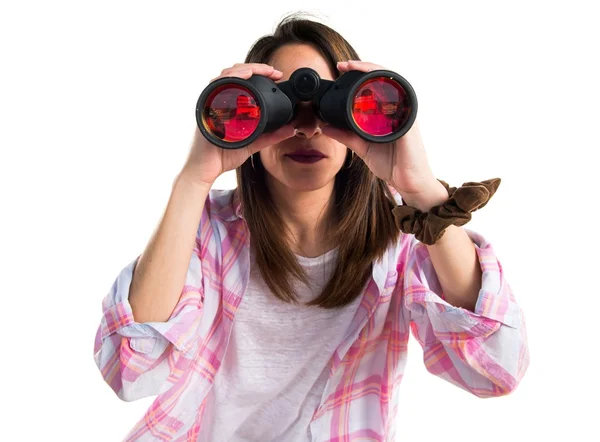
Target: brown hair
<point>363,224</point>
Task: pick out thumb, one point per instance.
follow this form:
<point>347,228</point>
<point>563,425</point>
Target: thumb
<point>270,138</point>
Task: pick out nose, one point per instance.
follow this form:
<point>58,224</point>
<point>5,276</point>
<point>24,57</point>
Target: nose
<point>306,122</point>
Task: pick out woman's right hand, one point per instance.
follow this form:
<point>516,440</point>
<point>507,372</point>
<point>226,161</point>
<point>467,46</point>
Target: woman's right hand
<point>206,161</point>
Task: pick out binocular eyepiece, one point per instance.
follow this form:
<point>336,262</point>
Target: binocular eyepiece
<point>380,106</point>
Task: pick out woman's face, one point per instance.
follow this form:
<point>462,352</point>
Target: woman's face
<point>297,172</point>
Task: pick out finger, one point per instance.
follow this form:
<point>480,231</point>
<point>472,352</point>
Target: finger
<point>356,65</point>
<point>256,69</point>
<point>270,138</point>
<point>245,71</point>
<point>239,73</point>
<point>253,66</point>
<point>349,139</point>
<point>262,69</point>
<point>363,66</point>
<point>276,75</point>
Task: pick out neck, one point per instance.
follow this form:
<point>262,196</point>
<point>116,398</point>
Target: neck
<point>306,215</point>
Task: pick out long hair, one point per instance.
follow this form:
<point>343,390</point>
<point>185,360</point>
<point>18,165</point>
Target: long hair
<point>362,222</point>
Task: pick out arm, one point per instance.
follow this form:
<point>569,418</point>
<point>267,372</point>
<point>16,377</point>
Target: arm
<point>161,269</point>
<point>153,310</point>
<point>483,351</point>
<point>453,256</point>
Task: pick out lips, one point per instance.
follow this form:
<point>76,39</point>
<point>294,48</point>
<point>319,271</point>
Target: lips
<point>306,156</point>
<point>306,153</point>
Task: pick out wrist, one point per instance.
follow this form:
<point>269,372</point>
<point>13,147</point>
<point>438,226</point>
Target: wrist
<point>426,200</point>
<point>188,179</point>
<point>192,179</point>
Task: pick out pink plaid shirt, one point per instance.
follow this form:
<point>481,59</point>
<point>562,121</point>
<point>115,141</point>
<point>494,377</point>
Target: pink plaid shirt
<point>484,352</point>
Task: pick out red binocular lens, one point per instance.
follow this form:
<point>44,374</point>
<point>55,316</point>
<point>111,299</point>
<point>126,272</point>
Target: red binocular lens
<point>380,106</point>
<point>231,113</point>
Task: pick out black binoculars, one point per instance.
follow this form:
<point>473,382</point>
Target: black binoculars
<point>380,106</point>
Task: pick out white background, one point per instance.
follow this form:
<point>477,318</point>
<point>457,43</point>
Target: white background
<point>96,115</point>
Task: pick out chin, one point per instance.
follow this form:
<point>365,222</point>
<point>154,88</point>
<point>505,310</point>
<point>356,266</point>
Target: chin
<point>306,187</point>
<point>308,184</point>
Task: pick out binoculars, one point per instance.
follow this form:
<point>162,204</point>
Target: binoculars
<point>380,106</point>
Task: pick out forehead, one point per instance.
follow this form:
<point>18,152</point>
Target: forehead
<point>290,57</point>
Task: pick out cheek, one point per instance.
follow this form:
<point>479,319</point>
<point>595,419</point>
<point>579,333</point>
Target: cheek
<point>276,166</point>
<point>341,153</point>
<point>269,159</point>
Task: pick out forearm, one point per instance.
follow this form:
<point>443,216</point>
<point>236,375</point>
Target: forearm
<point>161,270</point>
<point>453,256</point>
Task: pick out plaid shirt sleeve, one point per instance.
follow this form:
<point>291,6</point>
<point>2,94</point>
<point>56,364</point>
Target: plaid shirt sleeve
<point>484,352</point>
<point>142,359</point>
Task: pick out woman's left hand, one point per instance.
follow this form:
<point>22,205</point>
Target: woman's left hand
<point>402,163</point>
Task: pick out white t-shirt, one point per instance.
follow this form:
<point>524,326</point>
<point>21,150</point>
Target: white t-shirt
<point>275,369</point>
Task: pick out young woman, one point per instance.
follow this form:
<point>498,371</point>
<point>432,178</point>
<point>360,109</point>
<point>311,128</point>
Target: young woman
<point>281,310</point>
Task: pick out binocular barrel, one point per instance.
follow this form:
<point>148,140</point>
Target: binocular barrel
<point>380,106</point>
